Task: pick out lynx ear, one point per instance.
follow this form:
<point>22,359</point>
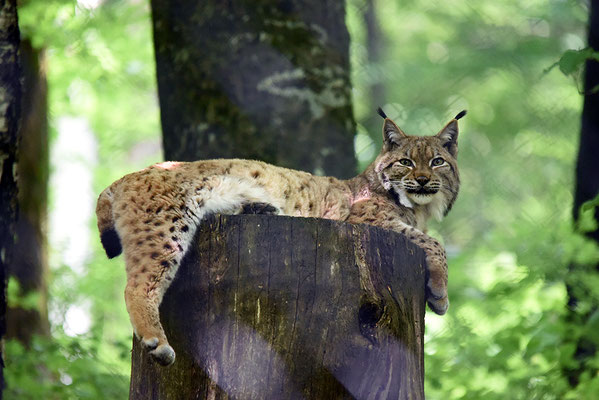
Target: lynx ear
<point>449,134</point>
<point>391,132</point>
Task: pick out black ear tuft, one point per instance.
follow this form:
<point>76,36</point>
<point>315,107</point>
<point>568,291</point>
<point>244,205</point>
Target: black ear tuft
<point>461,114</point>
<point>381,112</point>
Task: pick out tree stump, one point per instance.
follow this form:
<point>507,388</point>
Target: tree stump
<point>270,307</point>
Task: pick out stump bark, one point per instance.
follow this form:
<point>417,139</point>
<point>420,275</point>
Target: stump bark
<point>269,307</point>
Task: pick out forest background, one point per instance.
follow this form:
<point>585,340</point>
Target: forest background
<point>510,238</point>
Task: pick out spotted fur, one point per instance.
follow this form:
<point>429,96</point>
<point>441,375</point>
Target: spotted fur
<point>153,214</point>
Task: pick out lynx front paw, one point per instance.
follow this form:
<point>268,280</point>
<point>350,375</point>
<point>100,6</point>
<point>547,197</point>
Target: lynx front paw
<point>436,285</point>
<point>439,306</point>
<point>436,295</point>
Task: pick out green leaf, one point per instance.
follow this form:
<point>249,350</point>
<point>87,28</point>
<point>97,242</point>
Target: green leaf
<point>586,216</point>
<point>572,60</point>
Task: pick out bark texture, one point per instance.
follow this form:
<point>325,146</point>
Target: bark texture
<point>10,111</point>
<point>267,307</point>
<point>587,188</point>
<point>30,267</point>
<point>257,79</point>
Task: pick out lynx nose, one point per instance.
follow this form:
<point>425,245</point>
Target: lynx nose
<point>422,180</point>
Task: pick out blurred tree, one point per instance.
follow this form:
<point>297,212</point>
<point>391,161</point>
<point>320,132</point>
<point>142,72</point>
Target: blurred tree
<point>265,80</point>
<point>375,44</point>
<point>10,113</point>
<point>29,315</point>
<point>583,307</point>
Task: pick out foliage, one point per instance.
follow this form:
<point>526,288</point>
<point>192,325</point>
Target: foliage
<point>100,69</point>
<point>572,60</point>
<point>571,63</point>
<point>63,368</point>
<point>586,221</point>
<point>510,237</point>
<point>15,296</point>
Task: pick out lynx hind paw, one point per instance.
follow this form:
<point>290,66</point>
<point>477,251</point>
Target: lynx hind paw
<point>163,354</point>
<point>150,344</point>
<point>259,208</point>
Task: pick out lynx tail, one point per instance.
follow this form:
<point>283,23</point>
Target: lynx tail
<point>108,234</point>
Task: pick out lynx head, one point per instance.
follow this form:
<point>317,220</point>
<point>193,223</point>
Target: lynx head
<point>421,171</point>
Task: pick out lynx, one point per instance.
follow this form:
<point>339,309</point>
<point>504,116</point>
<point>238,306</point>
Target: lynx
<point>152,214</point>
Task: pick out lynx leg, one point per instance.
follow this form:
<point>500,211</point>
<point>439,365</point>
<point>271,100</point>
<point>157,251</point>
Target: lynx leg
<point>436,268</point>
<point>376,212</point>
<point>156,233</point>
<point>150,271</point>
<point>143,303</point>
<point>436,283</point>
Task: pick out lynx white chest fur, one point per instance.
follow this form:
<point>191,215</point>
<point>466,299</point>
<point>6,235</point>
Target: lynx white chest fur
<point>152,215</point>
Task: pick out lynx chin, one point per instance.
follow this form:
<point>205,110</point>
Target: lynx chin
<point>152,215</point>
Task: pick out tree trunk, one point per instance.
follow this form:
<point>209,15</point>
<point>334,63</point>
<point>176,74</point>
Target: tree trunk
<point>587,168</point>
<point>30,268</point>
<point>587,188</point>
<point>375,44</point>
<point>265,80</point>
<point>10,112</point>
<point>268,307</point>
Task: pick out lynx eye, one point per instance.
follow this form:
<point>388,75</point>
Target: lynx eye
<point>405,162</point>
<point>437,162</point>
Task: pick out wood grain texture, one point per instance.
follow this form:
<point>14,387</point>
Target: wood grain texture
<point>269,307</point>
